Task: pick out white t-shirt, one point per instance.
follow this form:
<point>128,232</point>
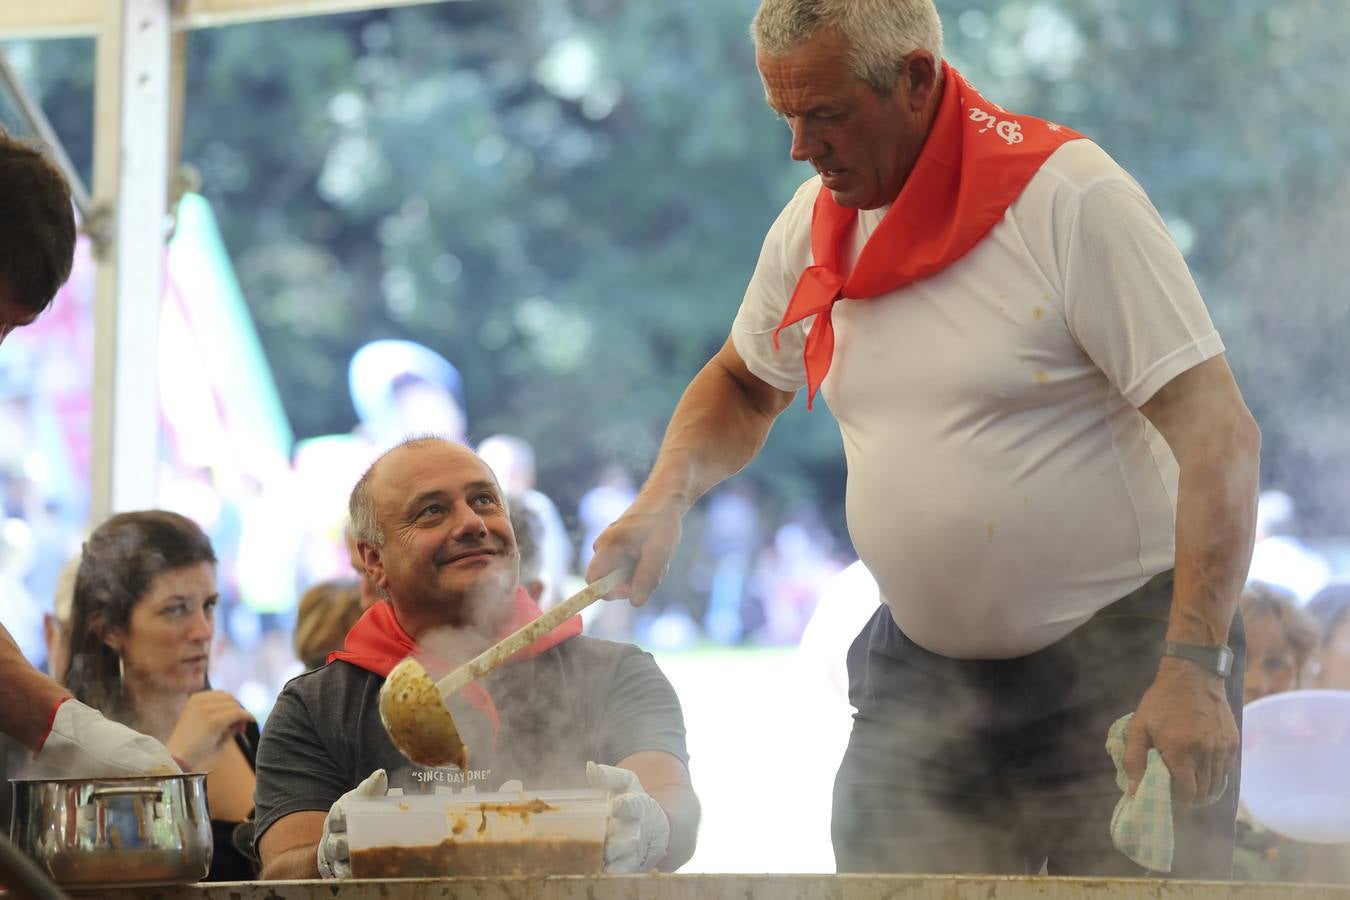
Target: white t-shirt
<point>1002,484</point>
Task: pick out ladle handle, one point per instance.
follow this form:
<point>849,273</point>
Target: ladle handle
<point>513,643</point>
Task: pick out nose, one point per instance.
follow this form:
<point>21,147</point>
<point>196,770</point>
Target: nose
<point>805,144</point>
<point>468,524</point>
<point>203,627</point>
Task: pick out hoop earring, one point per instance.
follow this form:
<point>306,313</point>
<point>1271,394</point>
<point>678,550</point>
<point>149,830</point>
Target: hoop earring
<point>121,672</point>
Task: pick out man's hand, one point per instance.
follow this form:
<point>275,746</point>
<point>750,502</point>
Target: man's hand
<point>334,856</point>
<point>206,722</point>
<point>644,537</point>
<point>638,835</point>
<point>1185,714</point>
<point>83,744</point>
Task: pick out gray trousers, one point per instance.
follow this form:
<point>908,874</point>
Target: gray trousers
<point>999,766</point>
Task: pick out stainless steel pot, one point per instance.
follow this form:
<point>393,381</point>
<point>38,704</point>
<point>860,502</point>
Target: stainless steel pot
<point>127,832</point>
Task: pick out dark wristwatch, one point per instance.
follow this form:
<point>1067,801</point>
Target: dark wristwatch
<point>1214,660</point>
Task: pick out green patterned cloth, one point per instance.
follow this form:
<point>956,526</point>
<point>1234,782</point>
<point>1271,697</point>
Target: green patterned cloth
<point>1141,826</point>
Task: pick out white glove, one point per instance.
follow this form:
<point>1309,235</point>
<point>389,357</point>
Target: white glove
<point>84,744</point>
<point>637,837</point>
<point>334,858</point>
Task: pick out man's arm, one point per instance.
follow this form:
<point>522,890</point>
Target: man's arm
<point>289,850</point>
<point>720,423</point>
<point>28,698</point>
<point>666,779</point>
<point>1185,713</point>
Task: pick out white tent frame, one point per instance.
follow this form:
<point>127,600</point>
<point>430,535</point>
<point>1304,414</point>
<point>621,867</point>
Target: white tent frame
<point>137,97</point>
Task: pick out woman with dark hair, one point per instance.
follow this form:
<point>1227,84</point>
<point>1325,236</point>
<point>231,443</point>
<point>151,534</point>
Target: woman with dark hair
<point>140,642</point>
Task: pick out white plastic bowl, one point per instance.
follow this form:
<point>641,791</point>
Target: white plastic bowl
<point>1296,764</point>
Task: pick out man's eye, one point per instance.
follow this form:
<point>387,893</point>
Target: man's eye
<point>485,500</point>
<point>435,509</point>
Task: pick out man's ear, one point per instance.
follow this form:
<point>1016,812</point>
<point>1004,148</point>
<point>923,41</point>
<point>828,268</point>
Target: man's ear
<point>918,80</point>
<point>374,566</point>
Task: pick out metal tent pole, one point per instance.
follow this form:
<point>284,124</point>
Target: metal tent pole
<point>131,159</point>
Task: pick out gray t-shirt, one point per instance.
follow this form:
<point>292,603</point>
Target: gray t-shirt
<point>585,699</point>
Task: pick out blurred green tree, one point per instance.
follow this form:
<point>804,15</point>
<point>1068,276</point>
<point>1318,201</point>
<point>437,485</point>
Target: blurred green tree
<point>566,198</point>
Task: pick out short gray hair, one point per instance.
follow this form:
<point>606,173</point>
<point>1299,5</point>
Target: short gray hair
<point>365,524</point>
<point>879,33</point>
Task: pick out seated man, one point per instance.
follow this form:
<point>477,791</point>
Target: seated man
<point>432,528</point>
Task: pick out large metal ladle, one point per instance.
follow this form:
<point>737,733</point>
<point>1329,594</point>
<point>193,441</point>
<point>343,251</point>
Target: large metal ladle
<point>412,706</point>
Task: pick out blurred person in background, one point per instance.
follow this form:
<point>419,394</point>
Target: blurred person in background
<point>140,642</point>
<point>1279,556</point>
<point>46,733</point>
<point>511,458</point>
<point>1330,667</point>
<point>731,537</point>
<point>528,530</point>
<point>1281,638</point>
<point>601,505</point>
<point>326,612</point>
<point>566,711</point>
<point>597,509</point>
<point>1280,641</point>
<point>791,572</point>
<point>400,388</point>
<point>1052,473</point>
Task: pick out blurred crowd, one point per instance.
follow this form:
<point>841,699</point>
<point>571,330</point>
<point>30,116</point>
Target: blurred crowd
<point>289,581</point>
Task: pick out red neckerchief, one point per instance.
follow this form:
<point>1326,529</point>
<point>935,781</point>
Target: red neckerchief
<point>377,643</point>
<point>975,162</point>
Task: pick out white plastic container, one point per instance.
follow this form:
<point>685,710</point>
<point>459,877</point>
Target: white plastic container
<point>502,833</point>
<point>1296,764</point>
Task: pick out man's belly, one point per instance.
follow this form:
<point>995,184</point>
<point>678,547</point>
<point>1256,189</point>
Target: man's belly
<point>986,560</point>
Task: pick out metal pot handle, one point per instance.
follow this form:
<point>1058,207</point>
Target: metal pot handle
<point>125,791</point>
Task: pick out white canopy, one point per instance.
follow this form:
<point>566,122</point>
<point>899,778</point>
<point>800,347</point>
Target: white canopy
<point>75,18</point>
<point>138,103</point>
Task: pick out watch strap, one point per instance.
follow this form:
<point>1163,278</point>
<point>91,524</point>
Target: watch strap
<point>1216,660</point>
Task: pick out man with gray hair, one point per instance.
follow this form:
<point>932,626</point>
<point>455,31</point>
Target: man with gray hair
<point>432,528</point>
<point>1051,472</point>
